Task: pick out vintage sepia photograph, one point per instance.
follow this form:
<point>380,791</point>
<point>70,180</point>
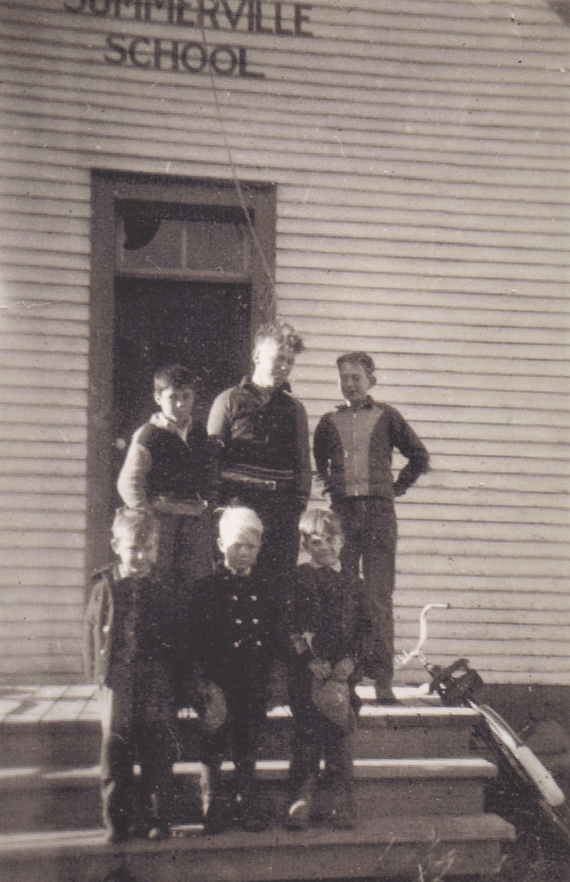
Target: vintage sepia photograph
<point>284,445</point>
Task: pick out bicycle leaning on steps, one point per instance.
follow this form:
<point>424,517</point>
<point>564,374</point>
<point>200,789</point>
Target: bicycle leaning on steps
<point>519,768</point>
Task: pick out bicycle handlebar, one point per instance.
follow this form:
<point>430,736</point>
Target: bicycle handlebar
<point>406,657</point>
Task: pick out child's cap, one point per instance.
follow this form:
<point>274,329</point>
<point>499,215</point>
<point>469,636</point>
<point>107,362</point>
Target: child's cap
<point>237,520</point>
<point>173,376</point>
<point>362,358</point>
<point>320,520</point>
<point>130,522</point>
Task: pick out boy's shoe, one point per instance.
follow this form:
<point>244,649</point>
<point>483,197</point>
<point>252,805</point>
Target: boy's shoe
<point>342,815</point>
<point>385,694</point>
<point>299,814</point>
<point>342,819</point>
<point>159,832</point>
<point>249,816</point>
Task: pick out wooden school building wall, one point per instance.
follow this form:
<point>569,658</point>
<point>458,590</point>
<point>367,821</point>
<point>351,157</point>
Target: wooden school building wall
<point>420,155</point>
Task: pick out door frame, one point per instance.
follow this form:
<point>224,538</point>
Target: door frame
<point>258,200</point>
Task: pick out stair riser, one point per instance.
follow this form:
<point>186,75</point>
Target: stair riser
<point>77,744</point>
<point>258,864</point>
<point>78,807</point>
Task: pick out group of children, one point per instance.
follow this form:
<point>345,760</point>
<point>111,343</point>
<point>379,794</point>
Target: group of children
<point>169,626</point>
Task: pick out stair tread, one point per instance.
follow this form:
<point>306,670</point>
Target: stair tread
<point>400,829</point>
<point>80,703</point>
<point>364,769</point>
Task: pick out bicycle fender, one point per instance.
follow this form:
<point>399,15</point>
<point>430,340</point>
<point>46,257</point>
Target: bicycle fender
<point>519,754</point>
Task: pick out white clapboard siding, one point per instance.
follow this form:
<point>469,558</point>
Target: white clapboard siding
<point>420,153</point>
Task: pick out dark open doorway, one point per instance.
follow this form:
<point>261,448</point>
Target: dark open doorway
<point>205,327</point>
<point>191,290</point>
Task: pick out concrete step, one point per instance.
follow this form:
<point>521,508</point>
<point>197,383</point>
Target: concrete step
<point>32,799</point>
<point>381,848</point>
<point>384,732</point>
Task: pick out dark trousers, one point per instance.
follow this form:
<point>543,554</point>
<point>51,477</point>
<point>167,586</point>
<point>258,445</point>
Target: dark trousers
<point>370,534</point>
<point>185,552</point>
<point>139,726</point>
<point>315,738</point>
<point>238,737</point>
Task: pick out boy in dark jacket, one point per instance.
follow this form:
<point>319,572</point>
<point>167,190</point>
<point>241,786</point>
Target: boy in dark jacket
<point>232,629</point>
<point>166,472</point>
<point>129,624</point>
<point>353,450</point>
<point>261,433</point>
<point>328,625</point>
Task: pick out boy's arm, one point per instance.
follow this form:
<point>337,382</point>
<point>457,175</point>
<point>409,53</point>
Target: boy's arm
<point>303,455</point>
<point>132,482</point>
<point>96,614</point>
<point>219,417</point>
<point>414,450</point>
<point>321,452</point>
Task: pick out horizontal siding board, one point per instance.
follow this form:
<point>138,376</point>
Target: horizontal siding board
<point>446,622</point>
<point>502,514</point>
<point>464,566</point>
<point>38,379</point>
<point>64,467</point>
<point>37,451</point>
<point>39,631</point>
<point>494,533</point>
<point>54,396</point>
<point>39,646</point>
<point>56,416</point>
<point>50,521</point>
<point>19,500</point>
<point>39,668</point>
<point>472,548</point>
<point>44,434</point>
<point>43,557</point>
<point>27,484</point>
<point>25,358</point>
<point>44,613</point>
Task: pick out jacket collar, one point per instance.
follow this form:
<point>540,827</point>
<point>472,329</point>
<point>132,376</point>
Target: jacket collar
<point>158,419</point>
<point>246,383</point>
<point>367,404</point>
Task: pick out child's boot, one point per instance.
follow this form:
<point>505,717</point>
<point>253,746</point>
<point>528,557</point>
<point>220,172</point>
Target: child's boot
<point>248,810</point>
<point>342,814</point>
<point>300,810</point>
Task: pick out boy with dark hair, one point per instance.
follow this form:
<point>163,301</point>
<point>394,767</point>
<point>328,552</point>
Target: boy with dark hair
<point>328,625</point>
<point>128,634</point>
<point>231,636</point>
<point>353,452</point>
<point>263,444</point>
<point>166,472</point>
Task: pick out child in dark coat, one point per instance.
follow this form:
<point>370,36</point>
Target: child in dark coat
<point>129,625</point>
<point>328,624</point>
<point>232,627</point>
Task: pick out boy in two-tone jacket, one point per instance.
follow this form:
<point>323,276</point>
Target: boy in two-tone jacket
<point>353,449</point>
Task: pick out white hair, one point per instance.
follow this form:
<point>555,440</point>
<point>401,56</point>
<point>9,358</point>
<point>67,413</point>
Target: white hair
<point>237,520</point>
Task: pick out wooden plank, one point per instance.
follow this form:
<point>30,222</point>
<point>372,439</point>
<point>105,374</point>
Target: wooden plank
<point>49,537</point>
